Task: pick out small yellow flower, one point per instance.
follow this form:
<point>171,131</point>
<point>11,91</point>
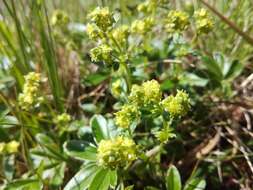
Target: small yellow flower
<point>116,88</point>
<point>12,147</point>
<point>152,92</point>
<point>148,94</point>
<point>127,115</point>
<point>121,34</point>
<point>59,18</point>
<point>148,6</point>
<point>204,22</point>
<point>177,105</point>
<point>116,153</point>
<point>93,31</point>
<point>177,21</point>
<point>30,95</point>
<point>63,119</point>
<point>101,53</point>
<point>141,27</point>
<point>102,17</point>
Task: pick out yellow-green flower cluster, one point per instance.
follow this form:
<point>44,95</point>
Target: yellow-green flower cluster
<point>101,53</point>
<point>177,105</point>
<point>116,153</point>
<point>93,31</point>
<point>116,88</point>
<point>204,22</point>
<point>30,95</point>
<point>142,26</point>
<point>59,18</point>
<point>121,34</point>
<point>10,147</point>
<point>63,119</point>
<point>148,6</point>
<point>102,17</point>
<point>177,21</point>
<point>128,114</point>
<point>147,94</point>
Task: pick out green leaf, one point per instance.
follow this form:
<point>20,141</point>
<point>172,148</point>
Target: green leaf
<point>195,184</point>
<point>80,150</point>
<point>83,178</point>
<point>193,80</point>
<point>167,85</point>
<point>213,68</point>
<point>99,128</point>
<point>18,184</point>
<point>95,79</point>
<point>235,69</point>
<point>101,181</point>
<point>9,166</point>
<point>44,139</point>
<point>58,176</point>
<point>113,178</point>
<point>173,180</point>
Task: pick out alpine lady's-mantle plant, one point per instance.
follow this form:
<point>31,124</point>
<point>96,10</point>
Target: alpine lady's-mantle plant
<point>132,74</point>
<point>115,148</point>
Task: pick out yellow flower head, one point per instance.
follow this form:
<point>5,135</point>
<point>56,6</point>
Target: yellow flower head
<point>12,147</point>
<point>101,53</point>
<point>121,34</point>
<point>142,26</point>
<point>63,119</point>
<point>127,115</point>
<point>149,93</point>
<point>30,96</point>
<point>177,105</point>
<point>116,88</point>
<point>148,6</point>
<point>93,31</point>
<point>204,22</point>
<point>59,18</point>
<point>116,153</point>
<point>177,21</point>
<point>102,17</point>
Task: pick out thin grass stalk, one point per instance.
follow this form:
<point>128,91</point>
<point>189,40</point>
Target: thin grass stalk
<point>50,62</point>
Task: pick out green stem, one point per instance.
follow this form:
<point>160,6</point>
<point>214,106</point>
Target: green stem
<point>127,76</point>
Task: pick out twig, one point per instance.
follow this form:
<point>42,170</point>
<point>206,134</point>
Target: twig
<point>247,37</point>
